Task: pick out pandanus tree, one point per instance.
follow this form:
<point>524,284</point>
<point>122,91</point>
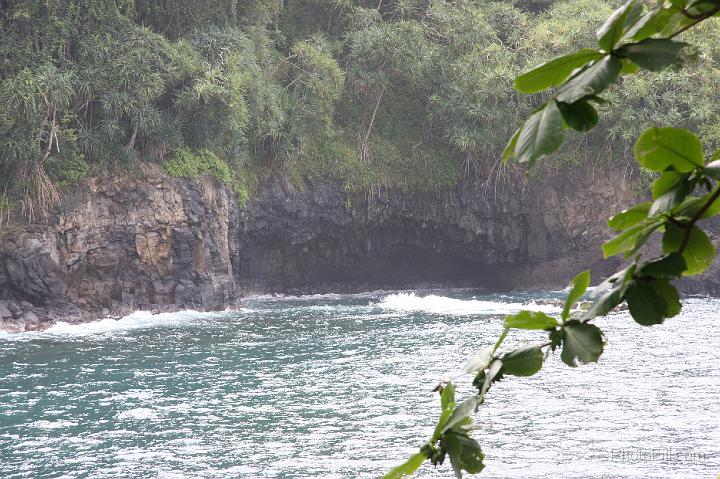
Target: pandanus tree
<point>683,194</point>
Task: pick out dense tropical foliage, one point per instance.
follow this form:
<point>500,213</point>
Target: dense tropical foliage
<point>685,192</point>
<point>408,93</point>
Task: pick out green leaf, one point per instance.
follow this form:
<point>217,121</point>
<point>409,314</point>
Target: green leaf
<point>407,468</point>
<point>622,277</point>
<point>493,370</point>
<point>670,295</point>
<point>665,182</point>
<point>660,148</point>
<point>629,240</point>
<point>447,397</point>
<point>674,21</point>
<point>442,420</point>
<point>509,150</point>
<point>580,285</point>
<point>447,405</point>
<point>461,416</point>
<point>699,252</point>
<point>523,362</point>
<point>606,303</point>
<point>556,71</point>
<point>692,206</point>
<point>500,339</point>
<point>654,54</point>
<point>661,19</point>
<point>715,156</point>
<point>672,198</point>
<point>580,116</point>
<point>643,237</point>
<point>628,67</point>
<point>648,25</point>
<point>630,216</point>
<point>667,267</point>
<point>612,30</point>
<point>688,208</point>
<point>582,342</point>
<point>541,134</point>
<point>556,338</point>
<point>645,304</point>
<point>699,7</point>
<point>465,453</point>
<point>591,81</point>
<point>530,320</point>
<point>610,298</point>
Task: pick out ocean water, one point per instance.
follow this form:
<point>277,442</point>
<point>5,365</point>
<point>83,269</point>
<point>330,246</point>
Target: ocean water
<point>339,386</point>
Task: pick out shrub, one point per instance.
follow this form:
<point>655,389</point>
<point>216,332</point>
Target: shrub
<point>186,163</point>
<point>67,171</point>
<point>183,164</point>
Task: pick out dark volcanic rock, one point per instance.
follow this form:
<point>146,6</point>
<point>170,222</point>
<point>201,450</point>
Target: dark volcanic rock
<point>5,312</point>
<point>123,245</point>
<point>520,235</point>
<point>164,244</point>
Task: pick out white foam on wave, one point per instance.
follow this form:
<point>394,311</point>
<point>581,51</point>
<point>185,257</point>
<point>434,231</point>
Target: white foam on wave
<point>444,305</point>
<point>310,297</point>
<point>137,414</point>
<point>136,320</point>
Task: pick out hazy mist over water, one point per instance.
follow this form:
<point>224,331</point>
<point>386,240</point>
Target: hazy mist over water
<point>339,386</point>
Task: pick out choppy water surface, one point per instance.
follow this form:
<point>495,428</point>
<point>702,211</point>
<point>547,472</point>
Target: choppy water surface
<point>339,387</point>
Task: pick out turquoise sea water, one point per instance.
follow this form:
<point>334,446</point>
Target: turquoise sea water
<point>340,387</point>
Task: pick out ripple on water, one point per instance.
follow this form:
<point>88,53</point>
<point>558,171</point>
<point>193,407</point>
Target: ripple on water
<point>340,386</point>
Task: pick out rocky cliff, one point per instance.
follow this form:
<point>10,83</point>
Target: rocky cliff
<point>117,245</point>
<point>120,245</point>
<point>521,234</point>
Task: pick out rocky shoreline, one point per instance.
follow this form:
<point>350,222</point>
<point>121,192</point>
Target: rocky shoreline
<point>118,245</point>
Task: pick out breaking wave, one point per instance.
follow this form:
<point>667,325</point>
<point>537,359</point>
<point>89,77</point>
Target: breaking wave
<point>444,305</point>
<point>136,320</point>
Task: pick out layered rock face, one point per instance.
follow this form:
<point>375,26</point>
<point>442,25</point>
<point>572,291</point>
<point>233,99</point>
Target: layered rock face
<point>117,246</point>
<point>164,244</point>
<point>520,234</point>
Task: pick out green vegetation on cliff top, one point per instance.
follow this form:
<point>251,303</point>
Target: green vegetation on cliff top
<point>409,93</point>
